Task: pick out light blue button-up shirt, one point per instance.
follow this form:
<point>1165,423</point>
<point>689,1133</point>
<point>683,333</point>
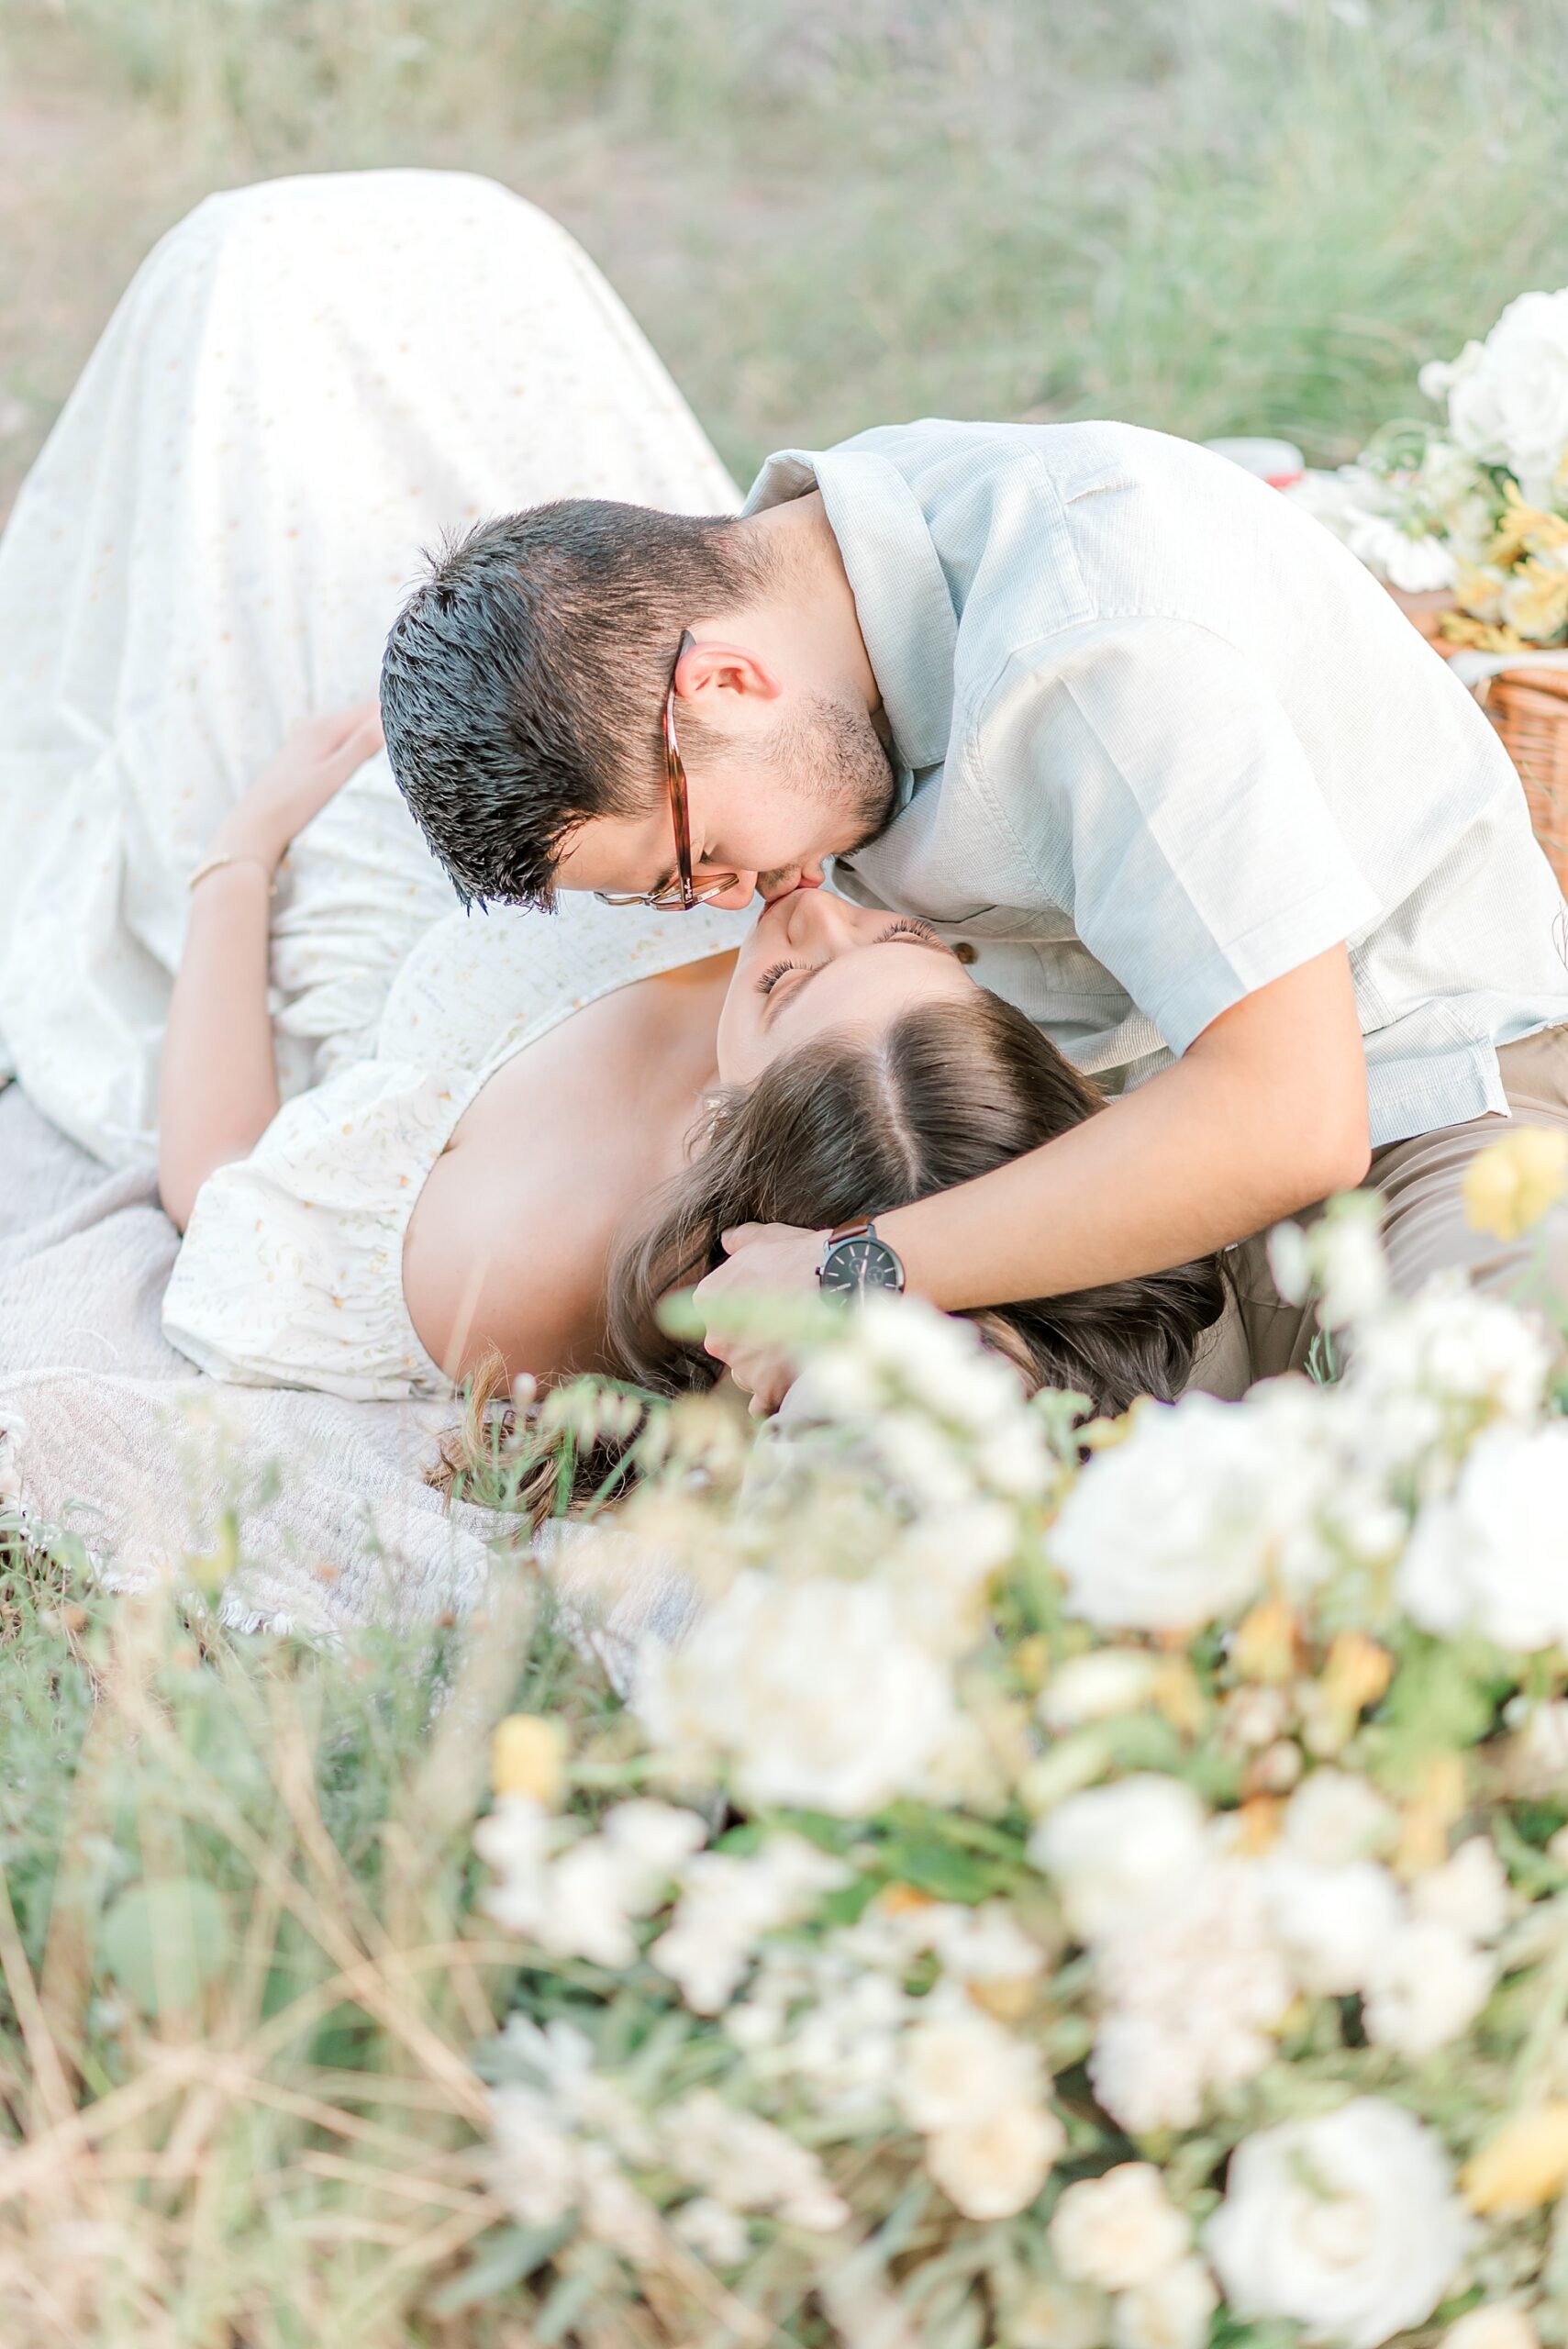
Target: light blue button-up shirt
<point>1163,740</point>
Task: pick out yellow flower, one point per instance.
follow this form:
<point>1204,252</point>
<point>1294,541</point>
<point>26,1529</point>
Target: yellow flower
<point>1525,2164</point>
<point>1424,1822</point>
<point>1006,1998</point>
<point>1478,590</point>
<point>1509,1187</point>
<point>1524,529</point>
<point>1259,1824</point>
<point>528,1757</point>
<point>1357,1671</point>
<point>1032,1660</point>
<point>1264,1645</point>
<point>1177,1695</point>
<point>1455,629</point>
<point>1535,601</point>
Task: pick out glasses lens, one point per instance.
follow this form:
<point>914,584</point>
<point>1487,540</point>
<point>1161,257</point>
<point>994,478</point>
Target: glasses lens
<point>672,900</point>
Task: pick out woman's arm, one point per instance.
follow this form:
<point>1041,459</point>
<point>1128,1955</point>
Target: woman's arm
<point>218,1091</point>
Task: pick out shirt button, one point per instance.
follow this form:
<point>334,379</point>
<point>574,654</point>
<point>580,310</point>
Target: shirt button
<point>965,952</point>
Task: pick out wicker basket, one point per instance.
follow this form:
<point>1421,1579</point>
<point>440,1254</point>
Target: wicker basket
<point>1530,709</point>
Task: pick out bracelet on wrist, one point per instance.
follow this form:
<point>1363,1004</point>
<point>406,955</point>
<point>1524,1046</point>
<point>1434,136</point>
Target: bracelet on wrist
<point>216,864</point>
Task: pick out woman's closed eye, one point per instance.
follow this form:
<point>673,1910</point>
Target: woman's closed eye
<point>917,932</point>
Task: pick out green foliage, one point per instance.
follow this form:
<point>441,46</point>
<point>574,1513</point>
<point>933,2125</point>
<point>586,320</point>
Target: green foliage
<point>241,1974</point>
<point>1201,215</point>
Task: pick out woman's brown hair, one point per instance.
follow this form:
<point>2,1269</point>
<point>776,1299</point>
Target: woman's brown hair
<point>852,1125</point>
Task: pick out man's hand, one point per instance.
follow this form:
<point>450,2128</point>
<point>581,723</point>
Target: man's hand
<point>763,1259</point>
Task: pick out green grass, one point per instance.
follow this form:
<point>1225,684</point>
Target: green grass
<point>241,1973</point>
<point>1206,215</point>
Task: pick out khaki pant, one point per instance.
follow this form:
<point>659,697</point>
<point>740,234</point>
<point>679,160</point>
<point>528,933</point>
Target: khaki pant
<point>1424,1229</point>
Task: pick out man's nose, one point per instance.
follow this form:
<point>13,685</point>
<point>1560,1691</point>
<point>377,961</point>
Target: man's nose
<point>736,900</point>
<point>788,880</point>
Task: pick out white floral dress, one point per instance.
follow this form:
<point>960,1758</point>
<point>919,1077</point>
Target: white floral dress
<point>291,1273</point>
<point>306,384</point>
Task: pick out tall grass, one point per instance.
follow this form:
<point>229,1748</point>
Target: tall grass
<point>239,1976</point>
<point>1205,215</point>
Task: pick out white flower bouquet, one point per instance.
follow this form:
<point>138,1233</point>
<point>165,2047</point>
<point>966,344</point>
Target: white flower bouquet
<point>1478,505</point>
<point>1075,1884</point>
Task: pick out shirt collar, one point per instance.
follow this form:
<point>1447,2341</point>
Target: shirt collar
<point>897,578</point>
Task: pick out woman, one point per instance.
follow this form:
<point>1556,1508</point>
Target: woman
<point>538,1104</point>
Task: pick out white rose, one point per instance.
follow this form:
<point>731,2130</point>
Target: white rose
<point>1509,405</point>
<point>958,2066</point>
<point>1193,1990</point>
<point>584,1914</point>
<point>1347,2224</point>
<point>1096,1687</point>
<point>651,1838</point>
<point>728,1902</point>
<point>1114,1850</point>
<point>942,1564</point>
<point>1386,524</point>
<point>993,2167</point>
<point>983,1944</point>
<point>1438,376</point>
<point>1495,1554</point>
<point>1497,2327</point>
<point>1333,1816</point>
<point>1333,1922</point>
<point>1430,1984</point>
<point>1184,1520</point>
<point>1437,1366</point>
<point>1469,1891</point>
<point>1118,2230</point>
<point>1170,2312</point>
<point>811,1690</point>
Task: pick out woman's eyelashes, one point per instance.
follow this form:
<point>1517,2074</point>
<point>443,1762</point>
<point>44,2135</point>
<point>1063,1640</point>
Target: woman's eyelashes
<point>770,978</point>
<point>902,928</point>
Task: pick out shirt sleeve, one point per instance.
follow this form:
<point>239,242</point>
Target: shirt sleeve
<point>1155,786</point>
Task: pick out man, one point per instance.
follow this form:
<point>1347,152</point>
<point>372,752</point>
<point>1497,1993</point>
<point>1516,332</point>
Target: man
<point>1136,736</point>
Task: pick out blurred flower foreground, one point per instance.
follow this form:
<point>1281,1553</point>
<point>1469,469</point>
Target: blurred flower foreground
<point>1076,1884</point>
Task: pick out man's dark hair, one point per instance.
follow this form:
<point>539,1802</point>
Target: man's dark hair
<point>522,682</point>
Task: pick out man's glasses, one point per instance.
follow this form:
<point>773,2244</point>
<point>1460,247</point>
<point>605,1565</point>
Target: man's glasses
<point>682,895</point>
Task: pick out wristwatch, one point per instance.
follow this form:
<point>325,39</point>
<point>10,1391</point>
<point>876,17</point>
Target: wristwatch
<point>854,1262</point>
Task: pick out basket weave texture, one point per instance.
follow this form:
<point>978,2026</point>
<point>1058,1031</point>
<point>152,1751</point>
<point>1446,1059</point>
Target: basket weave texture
<point>1530,709</point>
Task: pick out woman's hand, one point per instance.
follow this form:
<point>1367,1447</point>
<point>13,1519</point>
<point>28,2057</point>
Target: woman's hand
<point>770,1259</point>
<point>315,761</point>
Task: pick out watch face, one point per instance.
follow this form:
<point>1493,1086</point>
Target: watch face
<point>856,1266</point>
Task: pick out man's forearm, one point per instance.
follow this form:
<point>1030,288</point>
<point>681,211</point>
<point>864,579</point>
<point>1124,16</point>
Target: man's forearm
<point>1261,1117</point>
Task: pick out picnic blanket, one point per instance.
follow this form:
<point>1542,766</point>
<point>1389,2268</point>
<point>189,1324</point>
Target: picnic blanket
<point>310,1513</point>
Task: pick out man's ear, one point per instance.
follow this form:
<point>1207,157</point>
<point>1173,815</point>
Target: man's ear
<point>708,672</point>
